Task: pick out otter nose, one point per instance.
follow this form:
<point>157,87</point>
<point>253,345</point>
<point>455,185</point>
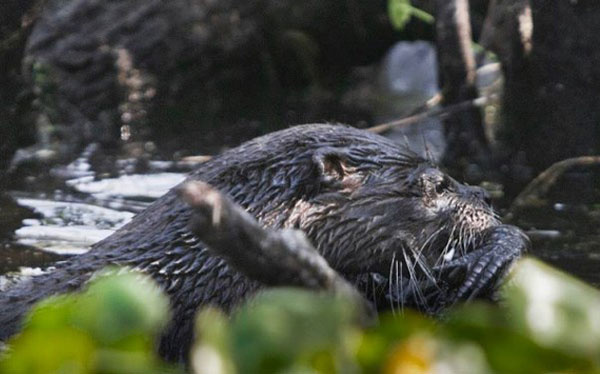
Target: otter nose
<point>480,193</point>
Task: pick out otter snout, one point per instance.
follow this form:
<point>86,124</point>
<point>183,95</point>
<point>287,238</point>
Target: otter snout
<point>477,193</point>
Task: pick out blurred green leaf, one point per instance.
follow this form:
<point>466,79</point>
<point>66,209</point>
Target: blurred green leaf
<point>295,331</point>
<point>555,309</point>
<point>109,328</point>
<point>65,350</point>
<point>507,350</point>
<point>392,329</point>
<point>465,357</point>
<point>121,306</point>
<point>212,352</point>
<point>401,11</point>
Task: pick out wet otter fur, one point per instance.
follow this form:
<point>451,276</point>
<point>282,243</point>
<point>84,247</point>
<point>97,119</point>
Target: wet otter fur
<point>389,221</point>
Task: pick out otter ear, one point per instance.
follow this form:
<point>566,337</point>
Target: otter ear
<point>332,165</point>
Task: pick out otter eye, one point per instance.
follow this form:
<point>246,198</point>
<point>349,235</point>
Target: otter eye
<point>442,186</point>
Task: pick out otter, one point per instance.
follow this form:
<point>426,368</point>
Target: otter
<point>401,230</point>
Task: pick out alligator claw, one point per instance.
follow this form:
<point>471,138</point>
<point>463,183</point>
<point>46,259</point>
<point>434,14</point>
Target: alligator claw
<point>478,272</point>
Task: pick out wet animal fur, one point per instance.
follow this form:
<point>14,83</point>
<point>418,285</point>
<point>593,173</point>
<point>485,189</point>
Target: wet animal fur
<point>367,204</point>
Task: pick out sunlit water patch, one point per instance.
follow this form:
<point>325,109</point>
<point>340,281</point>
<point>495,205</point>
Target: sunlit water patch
<point>68,227</point>
<point>72,227</point>
<point>137,187</point>
<point>76,205</point>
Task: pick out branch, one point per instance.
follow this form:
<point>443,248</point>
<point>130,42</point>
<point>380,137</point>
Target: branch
<point>441,113</point>
<point>272,257</point>
<point>537,188</point>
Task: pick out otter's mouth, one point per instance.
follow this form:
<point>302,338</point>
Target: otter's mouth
<point>421,281</point>
<point>450,255</point>
<point>463,270</point>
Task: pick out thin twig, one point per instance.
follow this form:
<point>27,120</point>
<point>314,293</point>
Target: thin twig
<point>537,188</point>
<point>433,112</point>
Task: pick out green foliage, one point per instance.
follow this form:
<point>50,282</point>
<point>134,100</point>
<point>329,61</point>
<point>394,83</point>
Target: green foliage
<point>505,348</point>
<point>548,322</point>
<point>110,328</point>
<point>294,331</point>
<point>379,344</point>
<point>401,11</point>
<point>554,309</point>
<point>211,353</point>
<point>281,331</point>
<point>44,81</point>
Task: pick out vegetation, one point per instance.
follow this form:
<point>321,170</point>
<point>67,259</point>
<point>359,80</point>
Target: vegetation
<point>401,11</point>
<point>547,323</point>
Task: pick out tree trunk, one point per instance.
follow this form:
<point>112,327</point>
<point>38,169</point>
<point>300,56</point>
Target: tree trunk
<point>552,94</point>
<point>464,132</point>
<point>216,72</point>
<point>16,129</point>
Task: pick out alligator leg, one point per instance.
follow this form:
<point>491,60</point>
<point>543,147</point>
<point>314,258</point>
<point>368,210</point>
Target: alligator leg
<point>479,271</point>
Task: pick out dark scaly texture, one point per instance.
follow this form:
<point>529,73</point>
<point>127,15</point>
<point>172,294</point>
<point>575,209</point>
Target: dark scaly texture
<point>381,216</point>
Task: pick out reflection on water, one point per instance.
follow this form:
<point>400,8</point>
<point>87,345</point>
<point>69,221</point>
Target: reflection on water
<point>44,222</point>
<point>570,218</point>
<point>66,227</point>
<point>15,256</point>
<point>135,187</point>
<point>73,226</point>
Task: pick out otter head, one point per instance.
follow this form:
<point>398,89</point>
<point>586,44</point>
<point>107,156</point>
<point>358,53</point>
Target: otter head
<point>395,215</point>
<point>456,214</point>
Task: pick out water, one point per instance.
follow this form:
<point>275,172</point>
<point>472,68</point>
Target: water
<point>567,235</point>
<point>69,208</point>
<point>67,227</point>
